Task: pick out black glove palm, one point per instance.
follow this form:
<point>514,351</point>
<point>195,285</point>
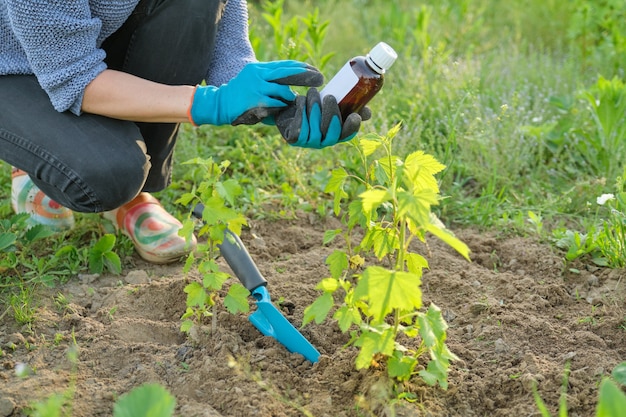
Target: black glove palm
<point>309,122</point>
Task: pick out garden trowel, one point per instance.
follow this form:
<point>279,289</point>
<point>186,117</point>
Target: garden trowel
<point>267,318</point>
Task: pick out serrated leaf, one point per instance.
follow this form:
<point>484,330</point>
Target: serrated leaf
<point>216,211</point>
<point>337,263</point>
<point>319,309</point>
<point>371,343</point>
<point>347,316</point>
<point>400,366</point>
<point>382,241</point>
<point>389,290</point>
<point>37,232</point>
<point>416,263</point>
<point>187,230</point>
<point>330,235</point>
<point>335,183</point>
<point>214,280</point>
<point>430,375</point>
<point>372,199</point>
<point>148,400</point>
<point>237,299</point>
<point>196,295</point>
<point>228,190</point>
<point>416,206</point>
<point>418,171</point>
<point>369,146</point>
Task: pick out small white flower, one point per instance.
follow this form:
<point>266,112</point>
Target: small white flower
<point>604,198</point>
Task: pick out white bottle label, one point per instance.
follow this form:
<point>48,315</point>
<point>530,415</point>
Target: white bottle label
<point>341,84</point>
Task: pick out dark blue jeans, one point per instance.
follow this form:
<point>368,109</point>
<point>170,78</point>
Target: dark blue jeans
<point>91,163</point>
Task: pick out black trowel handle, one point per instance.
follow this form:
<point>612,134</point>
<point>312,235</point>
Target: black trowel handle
<point>237,257</point>
<point>240,261</point>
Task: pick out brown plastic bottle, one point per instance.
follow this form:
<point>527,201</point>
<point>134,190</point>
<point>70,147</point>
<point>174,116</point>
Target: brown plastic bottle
<point>360,79</point>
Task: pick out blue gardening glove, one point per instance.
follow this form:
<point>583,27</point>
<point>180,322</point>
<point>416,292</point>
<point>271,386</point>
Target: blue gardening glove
<point>258,91</point>
<point>310,122</point>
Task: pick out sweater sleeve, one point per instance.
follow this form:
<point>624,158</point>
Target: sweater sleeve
<point>59,39</point>
<point>232,44</point>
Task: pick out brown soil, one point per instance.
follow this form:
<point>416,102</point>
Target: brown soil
<point>517,315</point>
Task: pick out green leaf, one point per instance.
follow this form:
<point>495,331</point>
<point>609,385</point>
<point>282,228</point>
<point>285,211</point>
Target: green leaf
<point>7,240</point>
<point>335,183</point>
<point>372,199</point>
<point>196,295</point>
<point>433,374</point>
<point>388,290</point>
<point>416,206</point>
<point>37,232</point>
<point>450,239</point>
<point>96,264</point>
<point>214,280</point>
<point>237,299</point>
<point>382,240</point>
<point>400,366</point>
<point>215,211</point>
<point>416,263</point>
<point>319,309</point>
<point>432,326</point>
<point>346,316</point>
<point>619,373</point>
<point>371,343</point>
<point>148,400</point>
<point>328,285</point>
<point>105,243</point>
<point>186,326</point>
<point>337,263</point>
<point>112,262</point>
<point>229,190</point>
<point>330,235</point>
<point>419,169</point>
<point>612,401</point>
<point>369,146</point>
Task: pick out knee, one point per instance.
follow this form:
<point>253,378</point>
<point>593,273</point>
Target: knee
<point>108,184</point>
<point>120,183</point>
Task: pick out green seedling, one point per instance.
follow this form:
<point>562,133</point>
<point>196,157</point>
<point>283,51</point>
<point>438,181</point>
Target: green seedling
<point>611,398</point>
<point>218,197</point>
<point>102,256</point>
<point>379,303</point>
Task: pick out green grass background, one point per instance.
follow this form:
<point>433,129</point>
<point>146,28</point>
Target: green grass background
<point>508,95</point>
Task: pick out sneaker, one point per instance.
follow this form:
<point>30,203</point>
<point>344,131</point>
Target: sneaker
<point>26,197</point>
<point>152,229</point>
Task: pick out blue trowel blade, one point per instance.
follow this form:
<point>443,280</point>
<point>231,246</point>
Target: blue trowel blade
<point>270,321</point>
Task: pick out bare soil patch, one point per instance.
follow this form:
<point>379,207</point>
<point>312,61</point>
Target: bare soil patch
<point>516,313</point>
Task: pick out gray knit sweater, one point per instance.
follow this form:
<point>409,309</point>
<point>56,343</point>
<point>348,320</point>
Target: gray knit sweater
<point>59,42</point>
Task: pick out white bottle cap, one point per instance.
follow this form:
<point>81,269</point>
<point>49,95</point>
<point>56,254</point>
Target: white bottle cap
<point>382,56</point>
